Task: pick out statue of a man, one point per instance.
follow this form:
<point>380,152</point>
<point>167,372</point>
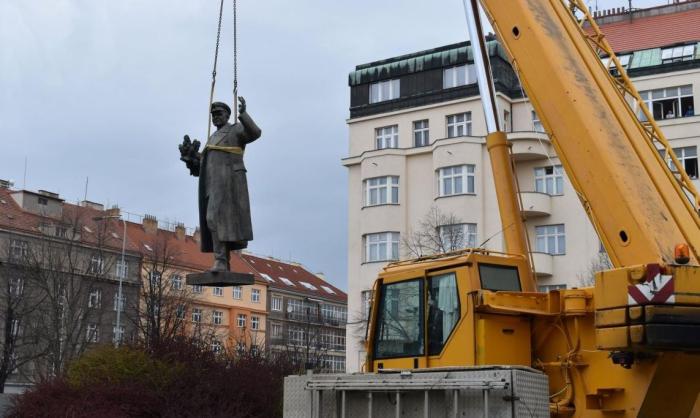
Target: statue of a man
<point>224,207</point>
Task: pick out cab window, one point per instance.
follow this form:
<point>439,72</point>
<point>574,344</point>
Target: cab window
<point>400,320</point>
<point>497,277</point>
<point>443,310</point>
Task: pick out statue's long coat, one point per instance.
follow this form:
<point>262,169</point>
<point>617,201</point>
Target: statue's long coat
<point>223,190</point>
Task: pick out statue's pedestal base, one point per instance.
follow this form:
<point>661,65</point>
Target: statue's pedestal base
<point>220,278</point>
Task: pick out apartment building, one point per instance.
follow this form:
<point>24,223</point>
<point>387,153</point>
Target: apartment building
<point>60,266</point>
<point>307,315</point>
<point>417,149</point>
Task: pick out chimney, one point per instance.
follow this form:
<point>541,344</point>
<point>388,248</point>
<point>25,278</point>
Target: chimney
<point>197,236</point>
<point>150,224</point>
<point>113,212</point>
<point>180,232</point>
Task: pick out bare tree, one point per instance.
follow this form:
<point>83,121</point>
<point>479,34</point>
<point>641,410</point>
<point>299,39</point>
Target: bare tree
<point>599,262</point>
<point>437,232</point>
<point>165,302</point>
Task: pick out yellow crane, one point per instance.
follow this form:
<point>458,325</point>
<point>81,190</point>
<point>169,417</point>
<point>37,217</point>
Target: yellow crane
<point>628,347</point>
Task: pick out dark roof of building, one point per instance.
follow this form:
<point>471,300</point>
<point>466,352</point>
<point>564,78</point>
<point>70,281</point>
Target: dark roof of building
<point>294,278</point>
<point>653,31</point>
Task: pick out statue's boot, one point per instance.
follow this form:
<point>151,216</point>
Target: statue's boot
<point>221,254</point>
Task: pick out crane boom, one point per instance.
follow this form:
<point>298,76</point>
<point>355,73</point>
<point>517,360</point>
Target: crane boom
<point>639,208</point>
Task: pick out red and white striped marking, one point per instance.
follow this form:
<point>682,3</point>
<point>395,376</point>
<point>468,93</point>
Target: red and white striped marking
<point>658,288</point>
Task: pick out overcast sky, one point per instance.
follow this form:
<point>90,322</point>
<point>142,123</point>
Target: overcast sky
<point>105,90</point>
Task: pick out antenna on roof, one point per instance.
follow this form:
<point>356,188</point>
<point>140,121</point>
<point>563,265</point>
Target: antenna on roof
<point>87,180</point>
<point>24,181</point>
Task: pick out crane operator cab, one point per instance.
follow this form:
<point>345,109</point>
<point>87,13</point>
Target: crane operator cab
<point>428,313</point>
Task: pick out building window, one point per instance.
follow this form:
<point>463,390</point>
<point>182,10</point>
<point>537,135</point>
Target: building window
<point>276,304</point>
<point>15,328</point>
<point>43,201</point>
<point>218,318</point>
<point>119,303</point>
<point>383,246</point>
<point>97,264</point>
<point>92,334</point>
<point>536,124</point>
<point>154,279</point>
<point>94,298</point>
<point>366,303</point>
<point>421,133</point>
<point>19,250</point>
<point>459,125</point>
<point>196,288</point>
<point>217,291</point>
<point>549,180</point>
<point>196,315</point>
<point>667,103</point>
<point>297,336</point>
<point>276,330</point>
<point>180,311</point>
<point>550,239</point>
<point>547,287</point>
<point>241,321</point>
<point>334,314</point>
<point>236,292</point>
<point>382,191</point>
<point>460,75</point>
<point>117,334</point>
<point>677,54</point>
<point>255,296</point>
<point>624,62</point>
<point>457,236</point>
<point>454,180</point>
<point>384,90</point>
<point>216,346</point>
<point>688,157</point>
<point>176,281</point>
<point>122,269</point>
<point>16,286</point>
<point>387,137</point>
<point>254,322</point>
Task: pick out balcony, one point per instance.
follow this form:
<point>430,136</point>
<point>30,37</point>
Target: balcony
<point>536,204</point>
<point>543,264</point>
<point>527,146</point>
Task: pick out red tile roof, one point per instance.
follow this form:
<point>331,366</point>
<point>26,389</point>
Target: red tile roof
<point>297,275</point>
<point>653,31</point>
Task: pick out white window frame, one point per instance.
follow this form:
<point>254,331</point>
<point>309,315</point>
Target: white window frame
<point>549,180</point>
<point>536,123</point>
<point>382,91</point>
<point>197,315</point>
<point>366,300</point>
<point>458,236</point>
<point>686,155</point>
<point>254,322</point>
<point>196,288</point>
<point>237,292</point>
<point>381,190</point>
<point>121,270</point>
<point>216,346</point>
<point>240,320</point>
<point>678,54</point>
<point>386,137</point>
<point>547,236</point>
<point>176,282</point>
<point>16,286</point>
<point>118,304</point>
<point>421,133</point>
<point>19,249</point>
<point>456,180</point>
<point>276,304</point>
<point>459,75</point>
<point>97,264</point>
<point>217,291</point>
<point>117,334</point>
<point>180,311</point>
<point>276,329</point>
<point>92,334</point>
<point>459,124</point>
<point>675,93</point>
<point>95,298</point>
<point>217,318</point>
<point>255,295</point>
<point>381,246</point>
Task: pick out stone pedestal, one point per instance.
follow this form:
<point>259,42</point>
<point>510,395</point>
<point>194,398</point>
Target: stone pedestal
<point>220,279</point>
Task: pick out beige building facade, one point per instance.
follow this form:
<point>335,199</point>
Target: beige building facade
<point>416,146</point>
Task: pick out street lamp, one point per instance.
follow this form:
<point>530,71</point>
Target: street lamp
<point>121,275</point>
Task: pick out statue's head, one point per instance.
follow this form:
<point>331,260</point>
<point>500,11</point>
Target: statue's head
<point>220,114</point>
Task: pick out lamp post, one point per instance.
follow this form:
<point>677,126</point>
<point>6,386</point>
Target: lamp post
<point>121,275</point>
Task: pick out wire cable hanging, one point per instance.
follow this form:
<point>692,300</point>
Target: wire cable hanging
<point>216,60</point>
